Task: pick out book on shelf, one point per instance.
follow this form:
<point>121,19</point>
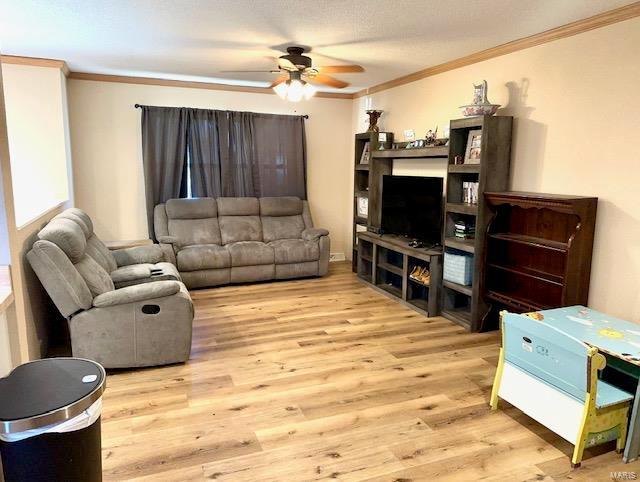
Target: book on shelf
<point>464,230</point>
<point>470,192</point>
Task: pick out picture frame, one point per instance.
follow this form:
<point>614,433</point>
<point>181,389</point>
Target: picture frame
<point>366,153</point>
<point>474,147</point>
<point>362,207</point>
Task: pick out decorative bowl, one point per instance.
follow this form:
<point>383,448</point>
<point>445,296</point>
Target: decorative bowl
<point>479,109</point>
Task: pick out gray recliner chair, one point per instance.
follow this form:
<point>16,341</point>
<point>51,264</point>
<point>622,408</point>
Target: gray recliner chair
<point>143,325</point>
<point>129,266</point>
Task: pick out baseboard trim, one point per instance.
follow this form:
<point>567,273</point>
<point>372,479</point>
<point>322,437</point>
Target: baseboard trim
<point>335,257</point>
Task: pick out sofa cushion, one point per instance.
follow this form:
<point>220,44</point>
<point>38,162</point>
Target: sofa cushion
<point>282,227</point>
<point>238,206</point>
<point>240,228</point>
<point>280,206</point>
<point>250,253</point>
<point>193,208</point>
<point>97,279</point>
<point>203,256</point>
<point>195,231</point>
<point>295,251</point>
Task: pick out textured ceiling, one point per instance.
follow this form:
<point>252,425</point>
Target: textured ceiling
<point>196,39</point>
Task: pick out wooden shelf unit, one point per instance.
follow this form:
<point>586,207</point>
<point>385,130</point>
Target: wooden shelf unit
<point>385,262</point>
<point>465,304</point>
<point>361,181</point>
<point>539,249</point>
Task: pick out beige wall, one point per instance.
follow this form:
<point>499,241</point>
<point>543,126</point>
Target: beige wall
<point>35,101</point>
<point>576,103</point>
<point>37,139</point>
<point>106,142</point>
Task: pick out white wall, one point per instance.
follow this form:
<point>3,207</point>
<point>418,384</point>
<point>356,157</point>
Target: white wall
<point>35,100</point>
<point>576,103</point>
<point>106,142</point>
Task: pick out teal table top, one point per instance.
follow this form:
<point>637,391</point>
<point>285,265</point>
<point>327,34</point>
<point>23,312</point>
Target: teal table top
<point>619,338</point>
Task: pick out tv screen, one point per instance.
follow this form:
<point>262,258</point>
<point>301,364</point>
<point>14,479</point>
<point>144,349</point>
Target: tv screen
<point>412,206</point>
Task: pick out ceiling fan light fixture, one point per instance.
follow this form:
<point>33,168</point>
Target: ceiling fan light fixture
<point>309,90</point>
<point>281,89</point>
<point>296,91</point>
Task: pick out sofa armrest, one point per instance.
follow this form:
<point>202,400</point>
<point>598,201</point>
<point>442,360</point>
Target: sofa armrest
<point>312,234</point>
<point>169,240</point>
<point>141,254</point>
<point>132,294</point>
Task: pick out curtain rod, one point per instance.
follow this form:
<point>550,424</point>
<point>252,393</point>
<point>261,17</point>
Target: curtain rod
<point>138,106</point>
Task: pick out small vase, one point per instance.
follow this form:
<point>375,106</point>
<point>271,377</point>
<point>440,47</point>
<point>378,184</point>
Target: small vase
<point>374,115</point>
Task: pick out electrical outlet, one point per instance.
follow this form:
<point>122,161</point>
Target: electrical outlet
<point>409,135</point>
<point>336,257</point>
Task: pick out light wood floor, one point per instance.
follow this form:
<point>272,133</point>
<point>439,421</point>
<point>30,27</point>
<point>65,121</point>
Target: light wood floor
<point>326,379</point>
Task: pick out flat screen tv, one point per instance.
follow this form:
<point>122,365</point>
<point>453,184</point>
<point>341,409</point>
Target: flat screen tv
<point>412,207</point>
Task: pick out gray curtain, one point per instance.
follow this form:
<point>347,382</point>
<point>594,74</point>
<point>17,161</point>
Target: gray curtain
<point>206,177</point>
<point>246,154</point>
<point>280,155</point>
<point>164,156</point>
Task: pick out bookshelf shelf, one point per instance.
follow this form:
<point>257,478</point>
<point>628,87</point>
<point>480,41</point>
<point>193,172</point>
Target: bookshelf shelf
<point>362,179</point>
<point>465,304</point>
<point>539,250</point>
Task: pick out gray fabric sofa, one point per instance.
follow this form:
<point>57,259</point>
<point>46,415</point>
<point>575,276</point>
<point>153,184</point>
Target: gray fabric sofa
<point>236,240</point>
<point>141,325</point>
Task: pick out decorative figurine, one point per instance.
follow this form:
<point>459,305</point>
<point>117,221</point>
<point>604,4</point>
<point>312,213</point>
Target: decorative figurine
<point>431,137</point>
<point>481,105</point>
<point>374,115</point>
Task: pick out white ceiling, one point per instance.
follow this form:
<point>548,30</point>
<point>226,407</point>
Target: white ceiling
<point>196,39</point>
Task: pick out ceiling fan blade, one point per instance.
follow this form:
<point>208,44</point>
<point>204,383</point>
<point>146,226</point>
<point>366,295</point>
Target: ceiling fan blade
<point>245,71</point>
<point>279,80</point>
<point>340,69</point>
<point>286,64</point>
<point>328,80</point>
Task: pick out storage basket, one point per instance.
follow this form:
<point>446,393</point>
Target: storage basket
<point>458,267</point>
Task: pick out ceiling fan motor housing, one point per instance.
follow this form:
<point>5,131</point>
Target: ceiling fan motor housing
<point>296,58</point>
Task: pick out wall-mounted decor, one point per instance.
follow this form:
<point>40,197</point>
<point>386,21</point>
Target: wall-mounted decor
<point>474,141</point>
<point>480,105</point>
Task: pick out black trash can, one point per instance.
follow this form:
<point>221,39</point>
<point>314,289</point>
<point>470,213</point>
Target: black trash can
<point>50,421</point>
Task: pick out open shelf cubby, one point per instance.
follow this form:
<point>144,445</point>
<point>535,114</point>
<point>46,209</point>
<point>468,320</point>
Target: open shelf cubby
<point>387,261</point>
<point>538,253</point>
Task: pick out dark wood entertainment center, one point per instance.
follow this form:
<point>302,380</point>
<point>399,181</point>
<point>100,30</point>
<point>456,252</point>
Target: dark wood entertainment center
<point>530,251</point>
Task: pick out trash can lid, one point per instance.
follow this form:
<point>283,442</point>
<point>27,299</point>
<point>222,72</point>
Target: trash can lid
<point>48,391</point>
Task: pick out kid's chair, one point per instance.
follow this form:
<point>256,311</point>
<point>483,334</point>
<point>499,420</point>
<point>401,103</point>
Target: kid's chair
<point>553,378</point>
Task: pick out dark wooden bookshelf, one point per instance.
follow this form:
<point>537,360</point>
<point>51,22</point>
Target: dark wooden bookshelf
<point>361,182</point>
<point>539,249</point>
<point>465,304</point>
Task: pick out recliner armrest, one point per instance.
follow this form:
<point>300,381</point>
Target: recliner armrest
<point>132,294</point>
<point>311,234</point>
<point>150,254</point>
<point>169,240</point>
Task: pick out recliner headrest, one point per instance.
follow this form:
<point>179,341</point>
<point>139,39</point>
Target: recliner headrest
<point>238,206</point>
<point>67,235</point>
<point>196,208</point>
<point>280,206</point>
<point>81,221</point>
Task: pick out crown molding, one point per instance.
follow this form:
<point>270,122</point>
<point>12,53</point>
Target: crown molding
<point>35,62</point>
<point>190,84</point>
<point>601,20</point>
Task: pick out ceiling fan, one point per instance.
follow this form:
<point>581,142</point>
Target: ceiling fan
<point>297,74</point>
